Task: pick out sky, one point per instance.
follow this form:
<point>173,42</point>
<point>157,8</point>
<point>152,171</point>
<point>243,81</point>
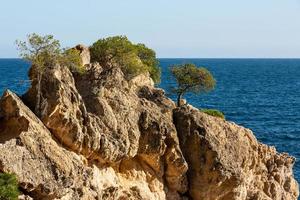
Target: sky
<point>173,28</point>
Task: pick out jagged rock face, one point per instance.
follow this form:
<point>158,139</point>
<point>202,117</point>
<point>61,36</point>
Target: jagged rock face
<point>46,170</point>
<point>112,122</point>
<point>227,162</point>
<point>98,136</point>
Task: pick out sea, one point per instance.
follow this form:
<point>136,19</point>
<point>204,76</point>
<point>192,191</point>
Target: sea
<point>260,94</point>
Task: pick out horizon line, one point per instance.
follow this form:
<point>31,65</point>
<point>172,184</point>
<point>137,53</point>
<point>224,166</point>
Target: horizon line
<point>206,58</point>
<point>229,58</point>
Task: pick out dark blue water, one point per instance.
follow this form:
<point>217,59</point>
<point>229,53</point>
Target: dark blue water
<point>260,94</point>
<point>13,75</point>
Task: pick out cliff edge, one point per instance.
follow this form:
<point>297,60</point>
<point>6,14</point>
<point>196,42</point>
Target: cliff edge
<point>98,136</point>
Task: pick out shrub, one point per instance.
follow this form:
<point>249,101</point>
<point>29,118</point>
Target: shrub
<point>72,59</point>
<point>45,51</point>
<point>148,57</point>
<point>8,187</point>
<point>213,112</point>
<point>133,59</point>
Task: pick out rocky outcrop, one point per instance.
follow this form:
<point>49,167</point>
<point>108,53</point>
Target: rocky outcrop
<point>227,162</point>
<point>46,170</point>
<point>98,136</point>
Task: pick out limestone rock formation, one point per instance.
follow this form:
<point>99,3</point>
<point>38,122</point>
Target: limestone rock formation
<point>98,136</point>
<point>227,162</point>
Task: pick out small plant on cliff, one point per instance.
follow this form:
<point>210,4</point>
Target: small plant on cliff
<point>190,78</point>
<point>45,52</point>
<point>213,112</point>
<point>41,51</point>
<point>8,187</point>
<point>133,59</point>
<point>72,59</point>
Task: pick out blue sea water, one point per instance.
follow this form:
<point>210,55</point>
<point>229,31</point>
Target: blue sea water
<point>260,94</point>
<point>13,75</point>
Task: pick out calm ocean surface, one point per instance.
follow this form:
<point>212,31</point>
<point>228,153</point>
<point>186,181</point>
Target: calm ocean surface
<point>260,94</point>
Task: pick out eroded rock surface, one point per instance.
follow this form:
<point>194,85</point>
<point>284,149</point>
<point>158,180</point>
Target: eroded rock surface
<point>46,170</point>
<point>98,136</point>
<point>227,162</point>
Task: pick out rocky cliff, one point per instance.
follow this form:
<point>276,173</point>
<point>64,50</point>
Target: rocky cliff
<point>98,136</point>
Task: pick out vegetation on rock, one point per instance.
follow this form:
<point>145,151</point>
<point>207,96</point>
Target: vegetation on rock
<point>45,51</point>
<point>8,187</point>
<point>133,59</point>
<point>72,59</point>
<point>190,78</point>
<point>214,112</point>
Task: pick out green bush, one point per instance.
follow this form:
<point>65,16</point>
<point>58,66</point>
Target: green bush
<point>133,59</point>
<point>72,59</point>
<point>8,187</point>
<point>148,57</point>
<point>213,112</point>
<point>45,51</point>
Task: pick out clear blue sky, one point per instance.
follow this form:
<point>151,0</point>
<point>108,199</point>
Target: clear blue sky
<point>173,28</point>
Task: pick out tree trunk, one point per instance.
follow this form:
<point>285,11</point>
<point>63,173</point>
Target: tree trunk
<point>39,95</point>
<point>179,99</point>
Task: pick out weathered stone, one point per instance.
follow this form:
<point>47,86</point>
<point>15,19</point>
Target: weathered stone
<point>227,162</point>
<point>84,54</point>
<point>105,118</point>
<point>46,170</point>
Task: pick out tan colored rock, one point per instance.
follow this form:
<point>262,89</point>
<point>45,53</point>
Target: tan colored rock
<point>43,168</point>
<point>227,162</point>
<point>84,54</point>
<point>140,81</point>
<point>24,197</point>
<point>101,116</point>
<point>46,170</point>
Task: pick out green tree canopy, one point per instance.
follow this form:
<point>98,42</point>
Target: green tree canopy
<point>190,78</point>
<point>41,51</point>
<point>133,59</point>
<point>45,51</point>
<point>8,187</point>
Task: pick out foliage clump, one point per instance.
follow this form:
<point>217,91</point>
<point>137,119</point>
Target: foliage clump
<point>192,79</point>
<point>133,59</point>
<point>45,51</point>
<point>8,187</point>
<point>214,112</point>
<point>72,59</point>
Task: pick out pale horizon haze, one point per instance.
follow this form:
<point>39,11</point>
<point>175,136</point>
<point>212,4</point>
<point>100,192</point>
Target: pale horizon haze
<point>174,29</point>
